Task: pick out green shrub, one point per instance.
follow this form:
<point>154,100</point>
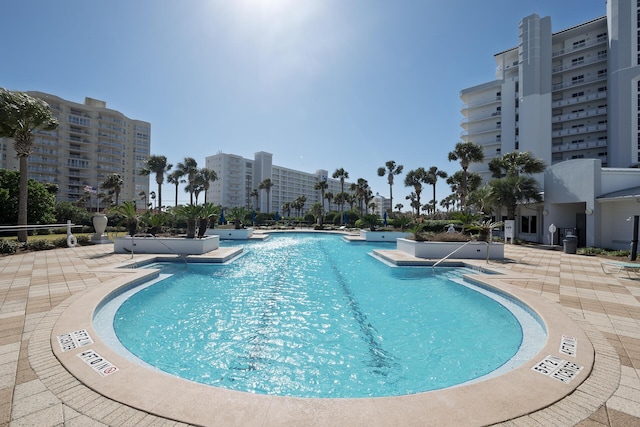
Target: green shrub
<point>83,240</point>
<point>438,225</point>
<point>8,246</point>
<point>330,217</point>
<point>60,242</point>
<point>40,245</point>
<point>447,237</point>
<point>605,252</point>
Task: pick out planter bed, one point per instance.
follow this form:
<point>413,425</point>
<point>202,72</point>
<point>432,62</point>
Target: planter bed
<point>439,250</point>
<point>165,245</point>
<point>230,233</point>
<point>382,236</point>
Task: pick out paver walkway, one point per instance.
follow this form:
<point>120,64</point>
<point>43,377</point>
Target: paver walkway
<point>32,285</point>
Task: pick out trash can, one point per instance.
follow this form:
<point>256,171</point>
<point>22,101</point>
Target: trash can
<point>570,243</point>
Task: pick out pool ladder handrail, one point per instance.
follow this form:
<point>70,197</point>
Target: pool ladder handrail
<point>457,249</point>
<point>183,257</point>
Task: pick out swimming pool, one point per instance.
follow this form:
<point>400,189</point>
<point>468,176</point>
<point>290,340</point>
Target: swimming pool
<point>313,316</point>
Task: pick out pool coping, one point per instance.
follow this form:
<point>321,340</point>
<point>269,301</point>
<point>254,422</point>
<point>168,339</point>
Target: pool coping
<point>506,397</point>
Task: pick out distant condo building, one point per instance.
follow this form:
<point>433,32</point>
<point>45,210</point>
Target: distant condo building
<point>90,143</point>
<point>238,177</point>
<point>571,94</point>
<point>382,205</point>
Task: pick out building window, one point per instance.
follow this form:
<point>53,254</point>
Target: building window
<point>577,61</point>
<point>577,94</point>
<point>577,79</point>
<point>529,224</point>
<point>579,44</point>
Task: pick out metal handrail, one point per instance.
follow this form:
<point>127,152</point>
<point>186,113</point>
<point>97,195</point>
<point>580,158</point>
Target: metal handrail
<point>457,249</point>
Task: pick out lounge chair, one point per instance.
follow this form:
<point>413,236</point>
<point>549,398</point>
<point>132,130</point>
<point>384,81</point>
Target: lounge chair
<point>616,267</point>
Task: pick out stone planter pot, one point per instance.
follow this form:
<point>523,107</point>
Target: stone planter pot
<point>99,225</point>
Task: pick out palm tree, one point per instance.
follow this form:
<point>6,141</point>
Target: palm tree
<point>317,210</point>
<point>342,175</point>
<point>143,197</point>
<point>113,184</point>
<point>129,215</point>
<point>466,153</point>
<point>509,187</point>
<point>399,206</point>
<point>472,182</point>
<point>433,174</point>
<point>194,189</point>
<point>266,185</point>
<point>208,215</point>
<point>322,186</point>
<point>286,209</point>
<point>157,165</point>
<point>340,199</point>
<point>236,215</point>
<point>189,168</point>
<point>392,171</point>
<point>255,193</point>
<point>413,201</point>
<point>329,196</point>
<point>190,213</point>
<point>205,177</point>
<point>298,204</point>
<point>516,163</point>
<point>20,116</point>
<point>175,179</point>
<point>415,178</point>
<point>362,193</point>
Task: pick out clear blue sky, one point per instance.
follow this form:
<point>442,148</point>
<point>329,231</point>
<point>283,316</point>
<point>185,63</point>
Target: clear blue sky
<point>321,84</point>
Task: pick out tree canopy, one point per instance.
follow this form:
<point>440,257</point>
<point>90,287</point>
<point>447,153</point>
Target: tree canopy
<point>41,208</point>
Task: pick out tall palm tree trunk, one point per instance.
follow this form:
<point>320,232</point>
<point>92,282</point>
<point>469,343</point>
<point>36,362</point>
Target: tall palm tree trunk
<point>159,195</point>
<point>22,198</point>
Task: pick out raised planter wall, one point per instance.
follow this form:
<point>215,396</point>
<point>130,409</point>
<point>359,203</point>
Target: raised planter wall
<point>382,236</point>
<point>439,250</point>
<point>166,245</point>
<point>230,233</point>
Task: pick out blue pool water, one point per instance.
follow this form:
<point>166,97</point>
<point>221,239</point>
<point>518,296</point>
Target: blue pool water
<point>314,316</point>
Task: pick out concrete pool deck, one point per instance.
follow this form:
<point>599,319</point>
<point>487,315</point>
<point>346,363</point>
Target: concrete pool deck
<point>35,289</point>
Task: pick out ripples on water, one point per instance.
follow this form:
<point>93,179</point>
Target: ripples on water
<point>314,316</point>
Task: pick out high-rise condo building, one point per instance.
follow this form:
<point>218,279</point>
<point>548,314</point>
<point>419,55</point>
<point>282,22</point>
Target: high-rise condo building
<point>91,142</point>
<point>238,177</point>
<point>563,95</point>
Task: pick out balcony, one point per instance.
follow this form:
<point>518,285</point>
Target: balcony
<point>569,146</point>
<point>482,102</point>
<point>578,83</point>
<point>573,49</point>
<point>579,115</point>
<point>589,61</point>
<point>579,99</point>
<point>481,117</point>
<point>579,130</point>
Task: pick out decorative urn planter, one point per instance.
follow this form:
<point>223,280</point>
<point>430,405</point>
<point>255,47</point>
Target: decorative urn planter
<point>100,225</point>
